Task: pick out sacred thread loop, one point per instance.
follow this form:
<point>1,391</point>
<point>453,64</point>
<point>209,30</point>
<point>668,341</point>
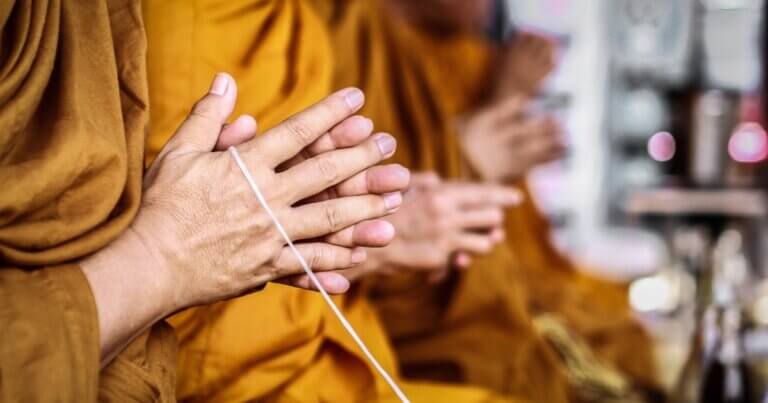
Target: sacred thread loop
<point>344,322</point>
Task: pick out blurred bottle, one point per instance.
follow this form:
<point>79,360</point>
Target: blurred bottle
<point>726,379</point>
<point>716,370</point>
<point>705,341</point>
<point>715,114</point>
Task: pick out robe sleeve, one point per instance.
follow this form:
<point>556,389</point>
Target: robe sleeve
<point>49,342</point>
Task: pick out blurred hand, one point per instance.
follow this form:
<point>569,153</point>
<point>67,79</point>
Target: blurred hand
<point>442,224</point>
<point>523,64</point>
<point>501,143</point>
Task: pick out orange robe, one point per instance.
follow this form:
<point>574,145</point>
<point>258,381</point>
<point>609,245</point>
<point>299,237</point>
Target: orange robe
<point>281,344</point>
<point>73,114</point>
<point>478,327</point>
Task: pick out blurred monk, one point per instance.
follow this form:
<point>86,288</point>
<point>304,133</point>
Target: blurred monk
<point>458,105</point>
<point>279,345</point>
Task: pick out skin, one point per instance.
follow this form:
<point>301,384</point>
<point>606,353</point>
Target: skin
<point>200,237</point>
<point>442,224</point>
<point>501,142</point>
<point>523,63</point>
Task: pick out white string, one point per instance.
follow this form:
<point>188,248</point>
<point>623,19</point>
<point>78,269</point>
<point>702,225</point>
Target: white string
<point>313,278</point>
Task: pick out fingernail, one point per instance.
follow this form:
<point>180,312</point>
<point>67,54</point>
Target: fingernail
<point>386,144</point>
<point>392,200</point>
<point>337,283</point>
<point>402,172</point>
<point>359,255</point>
<point>354,98</point>
<point>220,84</point>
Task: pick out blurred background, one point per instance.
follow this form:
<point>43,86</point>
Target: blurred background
<point>664,182</point>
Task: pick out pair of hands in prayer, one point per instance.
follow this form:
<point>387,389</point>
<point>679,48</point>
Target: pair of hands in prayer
<point>503,140</point>
<point>200,235</point>
<point>443,224</point>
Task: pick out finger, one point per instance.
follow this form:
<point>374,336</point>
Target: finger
<point>319,256</point>
<point>482,194</point>
<point>478,244</point>
<point>510,109</point>
<point>355,273</point>
<point>373,233</point>
<point>243,129</point>
<point>200,130</point>
<point>531,130</point>
<point>319,219</point>
<point>377,180</point>
<point>332,282</point>
<point>351,132</point>
<point>297,132</point>
<point>497,235</point>
<point>425,180</point>
<point>482,218</point>
<point>323,171</point>
<point>540,148</point>
<point>462,260</point>
<point>437,276</point>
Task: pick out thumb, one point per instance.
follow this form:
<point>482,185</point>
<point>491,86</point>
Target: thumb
<point>243,129</point>
<point>200,130</point>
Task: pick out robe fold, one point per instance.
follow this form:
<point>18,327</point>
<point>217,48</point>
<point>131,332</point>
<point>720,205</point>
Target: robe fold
<point>478,327</point>
<point>73,113</point>
<point>281,344</point>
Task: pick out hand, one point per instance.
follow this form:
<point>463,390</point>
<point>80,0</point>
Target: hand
<point>442,224</point>
<point>501,143</point>
<point>203,224</point>
<point>524,62</point>
<point>200,236</point>
<point>378,180</point>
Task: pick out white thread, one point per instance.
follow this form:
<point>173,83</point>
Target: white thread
<point>252,183</point>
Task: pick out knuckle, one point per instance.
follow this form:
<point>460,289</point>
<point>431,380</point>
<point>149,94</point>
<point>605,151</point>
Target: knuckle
<point>300,130</point>
<point>333,218</point>
<point>203,110</point>
<point>327,169</point>
<point>317,257</point>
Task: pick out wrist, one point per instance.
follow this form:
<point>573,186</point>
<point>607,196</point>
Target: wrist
<point>155,267</point>
<point>130,291</point>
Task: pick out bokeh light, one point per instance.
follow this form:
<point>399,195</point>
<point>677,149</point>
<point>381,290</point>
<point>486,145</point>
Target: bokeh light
<point>661,146</point>
<point>651,294</point>
<point>748,143</point>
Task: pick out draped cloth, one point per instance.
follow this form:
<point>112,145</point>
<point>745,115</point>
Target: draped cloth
<point>477,328</point>
<point>73,111</point>
<point>281,344</point>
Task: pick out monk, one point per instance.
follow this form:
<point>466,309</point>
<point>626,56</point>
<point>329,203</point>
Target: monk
<point>430,69</point>
<point>94,254</point>
<point>294,351</point>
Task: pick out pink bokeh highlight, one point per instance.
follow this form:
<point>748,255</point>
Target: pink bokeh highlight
<point>661,146</point>
<point>748,143</point>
